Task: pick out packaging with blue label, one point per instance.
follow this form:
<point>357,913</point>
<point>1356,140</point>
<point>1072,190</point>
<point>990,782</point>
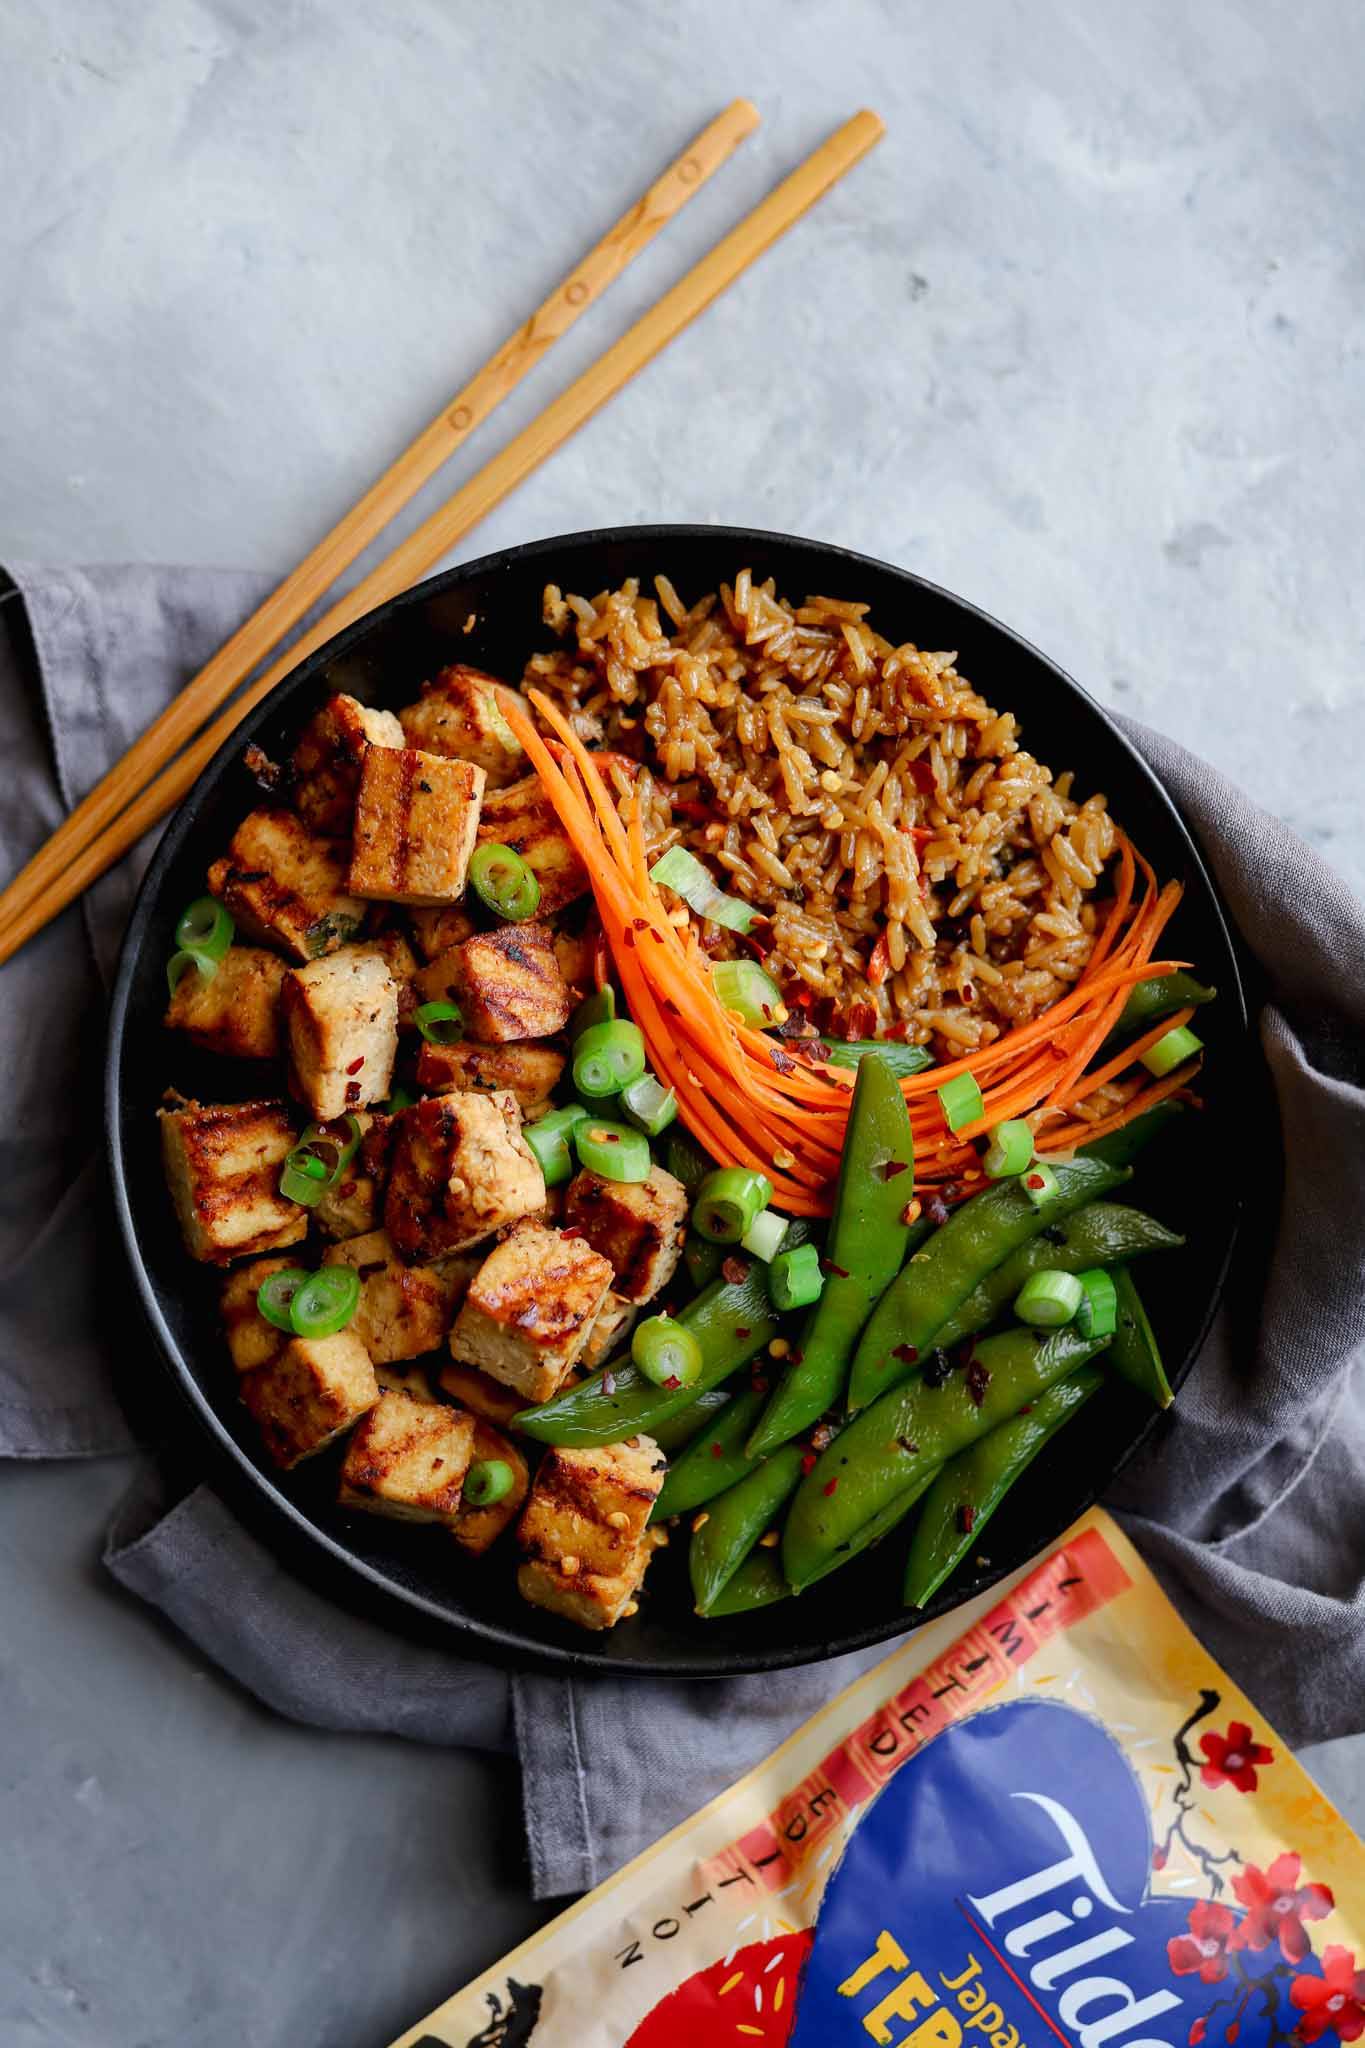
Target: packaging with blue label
<point>1047,1819</point>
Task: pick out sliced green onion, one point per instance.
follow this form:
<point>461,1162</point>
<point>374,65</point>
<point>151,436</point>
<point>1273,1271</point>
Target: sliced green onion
<point>666,1352</point>
<point>598,1008</point>
<point>615,1151</point>
<point>504,881</point>
<point>702,1259</point>
<point>903,1060</point>
<point>1098,1314</point>
<point>1010,1149</point>
<point>205,928</point>
<point>274,1295</point>
<point>440,1023</point>
<point>649,1104</point>
<point>323,1141</point>
<point>325,1302</point>
<point>765,1234</point>
<point>685,1160</point>
<point>607,1057</point>
<point>303,1178</point>
<point>744,986</point>
<point>1172,1051</point>
<point>549,1138</point>
<point>1048,1299</point>
<point>795,1279</point>
<point>1039,1183</point>
<point>487,1480</point>
<point>682,872</point>
<point>727,1202</point>
<point>179,965</point>
<point>961,1100</point>
<point>401,1098</point>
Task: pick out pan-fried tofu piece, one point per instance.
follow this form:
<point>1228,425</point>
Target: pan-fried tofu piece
<point>590,1506</point>
<point>415,819</point>
<point>477,1529</point>
<point>285,888</point>
<point>326,763</point>
<point>341,1027</point>
<point>404,1310</point>
<point>393,949</point>
<point>435,931</point>
<point>612,1326</point>
<point>592,1600</point>
<point>251,1340</point>
<point>523,818</point>
<point>527,1071</point>
<point>480,1392</point>
<point>235,1012</point>
<point>408,1460</point>
<point>529,1309</point>
<point>573,951</point>
<point>510,984</point>
<point>355,1203</point>
<point>222,1166</point>
<point>439,980</point>
<point>310,1394</point>
<point>459,714</point>
<point>460,1169</point>
<point>411,1380</point>
<point>638,1225</point>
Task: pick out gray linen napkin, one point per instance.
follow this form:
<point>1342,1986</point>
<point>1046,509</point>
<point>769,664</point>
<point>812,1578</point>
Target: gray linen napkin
<point>1246,1502</point>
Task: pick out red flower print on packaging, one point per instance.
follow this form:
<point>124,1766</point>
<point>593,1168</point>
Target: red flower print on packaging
<point>1332,2003</point>
<point>1277,1907</point>
<point>1231,1759</point>
<point>1205,1947</point>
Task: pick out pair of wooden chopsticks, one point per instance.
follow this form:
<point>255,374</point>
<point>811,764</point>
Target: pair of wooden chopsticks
<point>160,767</point>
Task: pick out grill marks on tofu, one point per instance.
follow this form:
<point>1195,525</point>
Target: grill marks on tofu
<point>638,1225</point>
<point>223,1168</point>
<point>459,714</point>
<point>286,888</point>
<point>408,1460</point>
<point>529,1072</point>
<point>404,1310</point>
<point>236,1011</point>
<point>310,1394</point>
<point>584,1530</point>
<point>416,816</point>
<point>477,1529</point>
<point>341,1025</point>
<point>523,818</point>
<point>530,1309</point>
<point>460,1169</point>
<point>510,986</point>
<point>325,767</point>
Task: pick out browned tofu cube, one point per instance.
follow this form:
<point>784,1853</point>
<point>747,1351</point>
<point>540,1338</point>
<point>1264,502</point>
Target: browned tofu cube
<point>589,1507</point>
<point>574,952</point>
<point>310,1394</point>
<point>251,1340</point>
<point>285,888</point>
<point>459,714</point>
<point>408,1460</point>
<point>404,1310</point>
<point>459,1171</point>
<point>611,1328</point>
<point>480,1392</point>
<point>638,1225</point>
<point>341,1028</point>
<point>510,985</point>
<point>326,763</point>
<point>477,1529</point>
<point>236,1010</point>
<point>529,1309</point>
<point>355,1203</point>
<point>394,950</point>
<point>415,820</point>
<point>528,1071</point>
<point>412,1380</point>
<point>435,931</point>
<point>222,1166</point>
<point>523,818</point>
<point>595,1600</point>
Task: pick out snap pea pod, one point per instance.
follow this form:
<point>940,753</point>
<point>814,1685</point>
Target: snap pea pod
<point>1121,1147</point>
<point>1133,1352</point>
<point>678,1430</point>
<point>903,1060</point>
<point>731,1322</point>
<point>971,1486</point>
<point>863,1252</point>
<point>1149,1000</point>
<point>886,1448</point>
<point>713,1461</point>
<point>1100,1234</point>
<point>732,1525</point>
<point>937,1280</point>
<point>759,1580</point>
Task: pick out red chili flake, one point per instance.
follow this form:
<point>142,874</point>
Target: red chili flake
<point>968,992</point>
<point>862,1020</point>
<point>936,1209</point>
<point>1027,1408</point>
<point>898,1030</point>
<point>734,1270</point>
<point>672,1381</point>
<point>891,1167</point>
<point>808,1461</point>
<point>803,999</point>
<point>629,936</point>
<point>759,1383</point>
<point>907,1353</point>
<point>611,1137</point>
<point>356,1065</point>
<point>978,1379</point>
<point>640,924</point>
<point>829,1486</point>
<point>717,1451</point>
<point>839,1272</point>
<point>571,1230</point>
<point>966,1518</point>
<point>743,1335</point>
<point>1034,1180</point>
<point>794,1357</point>
<point>767,1010</point>
<point>783,1063</point>
<point>815,1049</point>
<point>879,962</point>
<point>922,775</point>
<point>353,1091</point>
<point>347,1190</point>
<point>656,935</point>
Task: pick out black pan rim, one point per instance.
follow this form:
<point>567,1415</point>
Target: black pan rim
<point>305,1534</point>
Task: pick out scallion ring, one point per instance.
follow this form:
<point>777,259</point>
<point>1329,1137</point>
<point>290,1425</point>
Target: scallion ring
<point>961,1100</point>
<point>303,1178</point>
<point>666,1352</point>
<point>795,1279</point>
<point>180,964</point>
<point>1172,1051</point>
<point>745,986</point>
<point>488,1480</point>
<point>649,1104</point>
<point>504,881</point>
<point>765,1234</point>
<point>440,1023</point>
<point>607,1058</point>
<point>613,1151</point>
<point>1009,1151</point>
<point>1048,1299</point>
<point>548,1139</point>
<point>325,1302</point>
<point>682,872</point>
<point>727,1202</point>
<point>274,1295</point>
<point>205,928</point>
<point>1098,1314</point>
<point>1039,1183</point>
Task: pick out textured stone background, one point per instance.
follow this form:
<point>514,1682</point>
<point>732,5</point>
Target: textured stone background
<point>1082,341</point>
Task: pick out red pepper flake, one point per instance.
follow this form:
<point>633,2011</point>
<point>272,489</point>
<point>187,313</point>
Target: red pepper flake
<point>1034,1180</point>
<point>743,1335</point>
<point>347,1190</point>
<point>891,1167</point>
<point>656,935</point>
<point>734,1270</point>
<point>921,773</point>
<point>936,1209</point>
<point>879,962</point>
<point>808,1461</point>
<point>629,936</point>
<point>1027,1408</point>
<point>571,1230</point>
<point>767,1010</point>
<point>672,1381</point>
<point>783,1063</point>
<point>968,992</point>
<point>640,924</point>
<point>610,1137</point>
<point>717,1450</point>
<point>966,1518</point>
<point>759,1383</point>
<point>829,1486</point>
<point>815,1049</point>
<point>803,999</point>
<point>907,1353</point>
<point>356,1065</point>
<point>978,1379</point>
<point>794,1357</point>
<point>862,1020</point>
<point>839,1272</point>
<point>353,1091</point>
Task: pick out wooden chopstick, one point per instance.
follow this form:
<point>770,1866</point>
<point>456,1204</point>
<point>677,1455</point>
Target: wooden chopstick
<point>456,421</point>
<point>692,294</point>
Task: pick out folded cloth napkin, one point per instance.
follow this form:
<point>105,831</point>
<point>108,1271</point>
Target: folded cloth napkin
<point>1246,1501</point>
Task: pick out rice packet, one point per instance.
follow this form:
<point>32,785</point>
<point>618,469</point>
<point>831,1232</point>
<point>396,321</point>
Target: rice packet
<point>1047,1818</point>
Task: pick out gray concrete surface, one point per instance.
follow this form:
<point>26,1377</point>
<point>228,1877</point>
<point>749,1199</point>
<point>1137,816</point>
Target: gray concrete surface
<point>1081,341</point>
